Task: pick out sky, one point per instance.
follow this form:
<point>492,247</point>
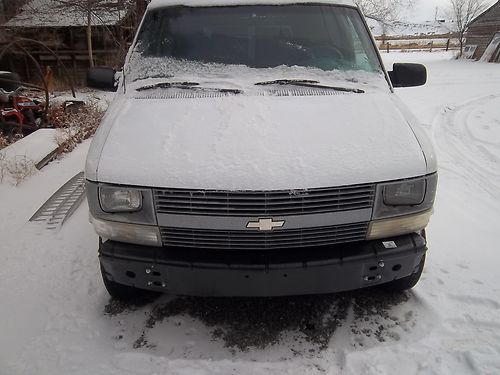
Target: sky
<point>425,10</point>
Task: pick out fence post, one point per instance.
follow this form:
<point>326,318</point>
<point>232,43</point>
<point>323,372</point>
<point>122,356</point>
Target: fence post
<point>448,44</point>
<point>432,44</point>
<point>388,45</point>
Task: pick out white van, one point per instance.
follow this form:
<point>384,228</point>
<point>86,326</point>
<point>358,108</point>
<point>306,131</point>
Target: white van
<point>257,148</point>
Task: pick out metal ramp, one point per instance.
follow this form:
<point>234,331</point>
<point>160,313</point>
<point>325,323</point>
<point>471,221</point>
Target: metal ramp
<point>60,206</point>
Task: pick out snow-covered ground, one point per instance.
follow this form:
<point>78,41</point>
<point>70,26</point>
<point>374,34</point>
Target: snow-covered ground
<point>56,318</point>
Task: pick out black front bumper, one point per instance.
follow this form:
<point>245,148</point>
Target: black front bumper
<point>203,272</point>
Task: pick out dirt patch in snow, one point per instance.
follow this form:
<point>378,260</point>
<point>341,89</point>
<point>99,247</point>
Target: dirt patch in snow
<point>373,317</point>
<point>244,324</point>
<point>116,307</point>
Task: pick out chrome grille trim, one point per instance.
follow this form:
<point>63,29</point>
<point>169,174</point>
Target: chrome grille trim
<point>263,203</point>
<point>255,240</point>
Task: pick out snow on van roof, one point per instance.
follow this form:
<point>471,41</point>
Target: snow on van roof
<point>199,3</point>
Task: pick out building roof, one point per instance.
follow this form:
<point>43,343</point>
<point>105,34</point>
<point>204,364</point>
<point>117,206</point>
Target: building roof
<point>51,13</point>
<point>199,3</point>
<point>485,12</point>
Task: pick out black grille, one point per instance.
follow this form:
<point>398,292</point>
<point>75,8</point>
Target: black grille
<point>253,240</point>
<point>261,203</point>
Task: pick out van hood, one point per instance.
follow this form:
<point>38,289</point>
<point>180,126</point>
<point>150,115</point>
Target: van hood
<point>255,142</point>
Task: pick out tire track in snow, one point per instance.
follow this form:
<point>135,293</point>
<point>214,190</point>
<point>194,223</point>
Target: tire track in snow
<point>462,153</point>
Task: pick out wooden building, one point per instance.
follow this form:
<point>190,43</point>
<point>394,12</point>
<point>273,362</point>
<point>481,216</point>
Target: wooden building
<point>483,35</point>
<point>9,8</point>
<point>64,30</point>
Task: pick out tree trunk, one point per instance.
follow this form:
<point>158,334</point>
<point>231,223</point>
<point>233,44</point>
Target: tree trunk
<point>461,41</point>
<point>89,38</point>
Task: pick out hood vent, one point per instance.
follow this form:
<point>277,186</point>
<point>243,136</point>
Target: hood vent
<point>306,92</point>
<point>200,94</point>
<point>184,94</point>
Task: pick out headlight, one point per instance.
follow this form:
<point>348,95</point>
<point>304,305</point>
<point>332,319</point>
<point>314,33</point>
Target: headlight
<point>408,193</point>
<point>117,199</point>
<point>404,197</point>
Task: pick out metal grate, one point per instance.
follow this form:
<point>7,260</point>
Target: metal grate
<point>60,206</point>
<point>260,203</point>
<point>253,240</point>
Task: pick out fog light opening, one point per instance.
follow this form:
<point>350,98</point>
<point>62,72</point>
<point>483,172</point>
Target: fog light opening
<point>130,274</point>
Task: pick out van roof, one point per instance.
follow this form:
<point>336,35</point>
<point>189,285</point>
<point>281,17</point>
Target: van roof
<point>202,3</point>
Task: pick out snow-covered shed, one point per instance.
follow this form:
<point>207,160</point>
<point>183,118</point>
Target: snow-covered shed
<point>62,26</point>
<point>483,35</point>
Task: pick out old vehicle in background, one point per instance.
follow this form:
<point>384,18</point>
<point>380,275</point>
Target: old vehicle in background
<point>20,114</point>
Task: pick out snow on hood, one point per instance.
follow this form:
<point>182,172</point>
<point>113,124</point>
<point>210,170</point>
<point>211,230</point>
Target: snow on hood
<point>255,142</point>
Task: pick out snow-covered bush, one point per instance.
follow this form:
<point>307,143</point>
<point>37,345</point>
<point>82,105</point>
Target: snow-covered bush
<point>2,166</point>
<point>4,142</point>
<point>75,126</point>
<point>17,168</point>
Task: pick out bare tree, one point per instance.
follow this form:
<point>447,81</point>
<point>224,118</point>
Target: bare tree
<point>464,12</point>
<point>89,9</point>
<point>92,11</point>
<point>2,11</point>
<point>384,11</point>
<point>9,9</point>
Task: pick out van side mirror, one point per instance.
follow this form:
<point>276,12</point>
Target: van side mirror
<point>102,78</point>
<point>408,75</point>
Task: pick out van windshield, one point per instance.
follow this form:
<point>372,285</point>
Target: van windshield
<point>326,37</point>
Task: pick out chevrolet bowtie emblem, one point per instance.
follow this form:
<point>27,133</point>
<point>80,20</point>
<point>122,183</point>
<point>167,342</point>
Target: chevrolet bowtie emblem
<point>265,224</point>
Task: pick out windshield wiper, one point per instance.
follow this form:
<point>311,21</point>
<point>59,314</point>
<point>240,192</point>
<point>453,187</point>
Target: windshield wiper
<point>187,85</point>
<point>288,82</point>
<point>167,85</point>
<point>308,83</point>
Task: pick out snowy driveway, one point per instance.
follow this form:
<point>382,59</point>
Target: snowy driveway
<point>56,318</point>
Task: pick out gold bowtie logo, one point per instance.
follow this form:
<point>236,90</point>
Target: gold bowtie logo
<point>265,224</point>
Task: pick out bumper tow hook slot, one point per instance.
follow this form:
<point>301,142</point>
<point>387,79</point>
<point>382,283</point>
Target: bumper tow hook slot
<point>372,278</point>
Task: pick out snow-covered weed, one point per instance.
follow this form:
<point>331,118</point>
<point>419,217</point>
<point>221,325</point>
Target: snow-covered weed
<point>4,142</point>
<point>2,166</point>
<point>18,168</point>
